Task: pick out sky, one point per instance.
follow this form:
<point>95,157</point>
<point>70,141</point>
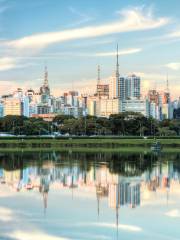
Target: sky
<point>73,37</point>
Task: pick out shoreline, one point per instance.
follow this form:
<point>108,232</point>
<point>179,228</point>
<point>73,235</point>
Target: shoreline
<point>101,144</point>
<point>124,150</point>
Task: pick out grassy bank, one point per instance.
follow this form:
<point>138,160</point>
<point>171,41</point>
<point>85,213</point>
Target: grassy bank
<point>89,150</point>
<point>88,143</point>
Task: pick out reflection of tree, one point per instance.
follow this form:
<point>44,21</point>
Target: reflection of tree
<point>125,164</point>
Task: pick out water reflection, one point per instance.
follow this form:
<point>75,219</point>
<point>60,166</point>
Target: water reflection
<point>123,180</point>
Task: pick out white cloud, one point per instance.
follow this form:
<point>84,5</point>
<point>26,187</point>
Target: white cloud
<point>175,34</point>
<point>128,228</point>
<point>131,20</point>
<point>175,213</point>
<point>21,235</point>
<point>7,63</point>
<point>6,214</point>
<point>173,65</point>
<point>58,55</point>
<point>121,52</point>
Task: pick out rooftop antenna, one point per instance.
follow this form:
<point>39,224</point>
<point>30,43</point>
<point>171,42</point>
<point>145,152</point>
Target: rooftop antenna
<point>117,62</point>
<point>72,85</point>
<point>99,76</point>
<point>117,222</point>
<point>167,82</point>
<point>98,204</point>
<point>45,75</point>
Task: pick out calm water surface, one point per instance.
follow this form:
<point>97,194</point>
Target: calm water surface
<point>51,196</point>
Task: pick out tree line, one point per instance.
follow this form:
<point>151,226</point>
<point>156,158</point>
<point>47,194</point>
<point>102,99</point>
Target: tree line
<point>123,124</point>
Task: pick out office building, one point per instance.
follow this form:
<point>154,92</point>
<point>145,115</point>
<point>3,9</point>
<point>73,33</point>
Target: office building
<point>136,105</point>
<point>13,106</point>
<point>109,106</point>
<point>132,87</point>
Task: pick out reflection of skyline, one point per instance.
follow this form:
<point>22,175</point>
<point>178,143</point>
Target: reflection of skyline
<point>119,190</point>
<point>89,195</point>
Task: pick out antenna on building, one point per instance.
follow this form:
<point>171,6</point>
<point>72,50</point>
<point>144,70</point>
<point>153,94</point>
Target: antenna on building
<point>45,76</point>
<point>99,75</point>
<point>167,82</point>
<point>117,62</point>
<point>117,221</point>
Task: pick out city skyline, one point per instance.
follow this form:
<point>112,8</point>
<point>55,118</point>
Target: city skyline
<point>72,39</point>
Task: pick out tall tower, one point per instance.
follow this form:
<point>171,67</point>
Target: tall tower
<point>114,80</point>
<point>99,76</point>
<point>46,77</point>
<point>98,80</point>
<point>166,98</point>
<point>167,83</point>
<point>117,64</point>
<point>44,89</point>
<point>101,88</point>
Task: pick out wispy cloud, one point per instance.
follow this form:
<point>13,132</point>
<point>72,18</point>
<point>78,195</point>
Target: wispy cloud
<point>175,213</point>
<point>68,54</point>
<point>121,52</point>
<point>7,63</point>
<point>174,34</point>
<point>128,228</point>
<point>173,65</point>
<point>82,17</point>
<point>21,235</point>
<point>131,20</point>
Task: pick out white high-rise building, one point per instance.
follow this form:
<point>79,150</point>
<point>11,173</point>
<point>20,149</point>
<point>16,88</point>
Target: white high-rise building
<point>109,106</point>
<point>93,106</point>
<point>113,87</point>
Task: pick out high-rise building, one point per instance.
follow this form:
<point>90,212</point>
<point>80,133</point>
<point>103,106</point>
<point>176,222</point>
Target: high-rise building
<point>154,104</point>
<point>13,106</point>
<point>132,85</point>
<point>93,106</point>
<point>153,96</point>
<point>43,109</point>
<point>25,106</point>
<point>134,194</point>
<point>113,195</point>
<point>122,88</point>
<point>136,105</point>
<point>71,98</point>
<point>166,104</point>
<point>109,106</point>
<point>113,87</point>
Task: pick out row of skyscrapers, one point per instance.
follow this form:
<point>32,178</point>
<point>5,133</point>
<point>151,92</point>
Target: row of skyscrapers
<point>122,94</point>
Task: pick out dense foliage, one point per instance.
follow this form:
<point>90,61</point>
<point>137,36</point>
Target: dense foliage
<point>124,124</point>
<point>19,125</point>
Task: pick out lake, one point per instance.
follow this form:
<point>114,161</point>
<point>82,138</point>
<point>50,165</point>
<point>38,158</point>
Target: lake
<point>70,195</point>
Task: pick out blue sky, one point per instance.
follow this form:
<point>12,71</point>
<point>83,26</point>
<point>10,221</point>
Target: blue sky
<point>73,37</point>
